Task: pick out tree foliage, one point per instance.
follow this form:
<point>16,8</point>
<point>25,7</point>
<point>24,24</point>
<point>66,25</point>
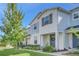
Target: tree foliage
<point>12,25</point>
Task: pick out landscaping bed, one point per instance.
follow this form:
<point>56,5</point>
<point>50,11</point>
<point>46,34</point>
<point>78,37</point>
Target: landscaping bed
<point>47,48</point>
<point>33,47</point>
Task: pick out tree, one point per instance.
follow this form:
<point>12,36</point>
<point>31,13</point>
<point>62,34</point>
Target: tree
<point>75,31</point>
<point>12,25</point>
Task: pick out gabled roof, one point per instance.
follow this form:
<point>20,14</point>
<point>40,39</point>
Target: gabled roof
<point>77,26</point>
<point>74,9</point>
<point>58,8</point>
<point>42,12</point>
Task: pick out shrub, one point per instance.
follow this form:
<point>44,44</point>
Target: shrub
<point>48,49</point>
<point>33,47</point>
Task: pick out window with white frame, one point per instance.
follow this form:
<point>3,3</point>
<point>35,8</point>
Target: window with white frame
<point>47,20</point>
<point>76,15</point>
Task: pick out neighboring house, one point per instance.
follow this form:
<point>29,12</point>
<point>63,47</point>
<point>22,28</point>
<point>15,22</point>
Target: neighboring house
<point>50,27</point>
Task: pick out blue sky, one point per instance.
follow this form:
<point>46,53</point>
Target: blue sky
<point>31,9</point>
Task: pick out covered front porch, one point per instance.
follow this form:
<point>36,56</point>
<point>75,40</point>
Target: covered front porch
<point>73,37</point>
<point>55,40</point>
<point>48,39</point>
<point>58,40</point>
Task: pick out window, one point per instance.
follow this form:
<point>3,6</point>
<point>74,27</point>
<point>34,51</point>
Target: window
<point>50,20</point>
<point>76,16</point>
<point>35,40</point>
<point>47,20</point>
<point>35,26</point>
<point>52,39</point>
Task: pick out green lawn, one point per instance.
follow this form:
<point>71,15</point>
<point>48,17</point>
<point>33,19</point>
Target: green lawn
<point>20,52</point>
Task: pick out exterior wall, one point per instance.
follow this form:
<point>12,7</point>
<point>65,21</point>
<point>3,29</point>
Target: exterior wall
<point>61,21</point>
<point>24,42</point>
<point>63,41</point>
<point>49,28</point>
<point>70,40</point>
<point>59,41</point>
<point>41,41</point>
<point>33,38</point>
<point>46,40</point>
<point>34,33</point>
<point>75,22</point>
<point>56,41</point>
<point>64,20</point>
<point>32,30</point>
<point>28,41</point>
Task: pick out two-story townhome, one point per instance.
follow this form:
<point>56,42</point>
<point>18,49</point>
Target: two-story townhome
<point>50,27</point>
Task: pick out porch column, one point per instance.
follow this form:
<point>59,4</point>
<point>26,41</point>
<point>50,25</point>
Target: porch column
<point>41,41</point>
<point>61,40</point>
<point>70,40</point>
<point>56,41</point>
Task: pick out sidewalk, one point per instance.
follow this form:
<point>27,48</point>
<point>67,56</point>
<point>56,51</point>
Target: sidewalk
<point>2,48</point>
<point>51,54</point>
<point>55,53</point>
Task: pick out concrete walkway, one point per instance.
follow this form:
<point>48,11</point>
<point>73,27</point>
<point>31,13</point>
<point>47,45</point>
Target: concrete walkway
<point>2,48</point>
<point>56,53</point>
<point>51,54</point>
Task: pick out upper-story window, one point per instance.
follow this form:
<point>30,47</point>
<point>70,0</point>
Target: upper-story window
<point>47,20</point>
<point>35,27</point>
<point>76,15</point>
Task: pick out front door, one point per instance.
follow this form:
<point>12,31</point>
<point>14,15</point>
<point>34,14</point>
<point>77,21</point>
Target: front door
<point>52,40</point>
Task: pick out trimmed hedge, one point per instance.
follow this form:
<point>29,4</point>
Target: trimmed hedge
<point>33,47</point>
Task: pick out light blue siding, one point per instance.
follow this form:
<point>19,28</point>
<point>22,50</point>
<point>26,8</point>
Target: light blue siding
<point>75,41</point>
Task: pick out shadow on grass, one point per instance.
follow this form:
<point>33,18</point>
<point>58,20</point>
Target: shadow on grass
<point>18,52</point>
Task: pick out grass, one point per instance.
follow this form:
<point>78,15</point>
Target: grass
<point>23,54</point>
<point>20,52</point>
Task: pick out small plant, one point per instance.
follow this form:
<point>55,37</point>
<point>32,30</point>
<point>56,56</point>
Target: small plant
<point>48,49</point>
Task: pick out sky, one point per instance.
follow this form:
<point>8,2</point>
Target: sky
<point>30,10</point>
